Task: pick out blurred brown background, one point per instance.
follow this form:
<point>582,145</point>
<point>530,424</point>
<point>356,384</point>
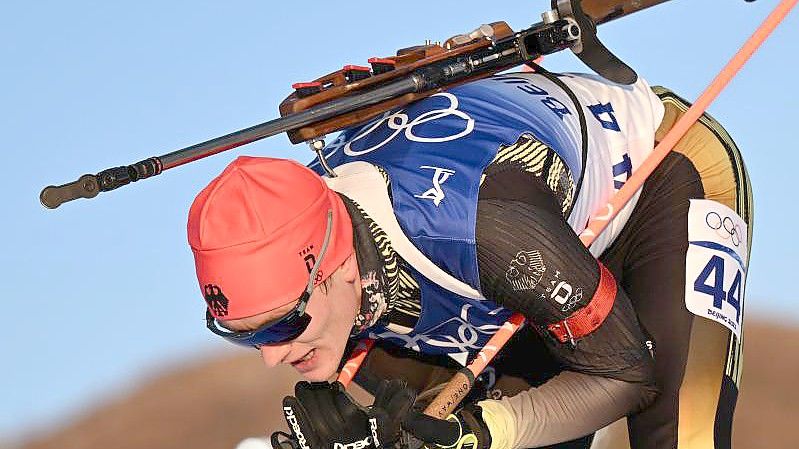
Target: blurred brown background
<point>214,404</point>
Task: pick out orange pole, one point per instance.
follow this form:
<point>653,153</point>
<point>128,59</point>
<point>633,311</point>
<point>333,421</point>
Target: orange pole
<point>357,357</point>
<point>451,396</point>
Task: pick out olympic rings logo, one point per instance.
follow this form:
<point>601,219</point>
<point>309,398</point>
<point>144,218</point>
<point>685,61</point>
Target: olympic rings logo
<point>399,122</point>
<point>725,227</point>
<point>470,336</point>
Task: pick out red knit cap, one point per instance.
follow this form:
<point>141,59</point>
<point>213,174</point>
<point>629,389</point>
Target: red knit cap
<point>256,231</point>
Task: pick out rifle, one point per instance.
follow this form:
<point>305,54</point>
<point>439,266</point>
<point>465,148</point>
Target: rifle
<point>356,94</point>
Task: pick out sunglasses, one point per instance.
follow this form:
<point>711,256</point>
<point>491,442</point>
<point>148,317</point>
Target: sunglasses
<point>290,325</point>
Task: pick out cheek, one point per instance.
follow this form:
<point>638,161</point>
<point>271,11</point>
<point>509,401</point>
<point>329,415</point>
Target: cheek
<point>331,322</point>
<point>320,321</point>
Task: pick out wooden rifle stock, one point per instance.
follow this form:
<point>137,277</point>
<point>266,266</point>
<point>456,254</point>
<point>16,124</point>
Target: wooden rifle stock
<point>341,83</point>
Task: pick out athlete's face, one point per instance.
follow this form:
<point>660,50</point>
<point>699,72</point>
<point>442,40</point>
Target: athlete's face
<point>316,353</point>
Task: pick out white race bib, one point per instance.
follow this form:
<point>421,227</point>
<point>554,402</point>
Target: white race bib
<point>716,263</point>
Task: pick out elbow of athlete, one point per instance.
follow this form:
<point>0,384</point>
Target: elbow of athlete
<point>640,377</point>
<point>647,385</point>
<point>649,392</point>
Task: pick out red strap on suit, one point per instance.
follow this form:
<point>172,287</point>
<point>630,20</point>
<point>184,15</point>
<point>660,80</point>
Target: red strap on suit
<point>590,317</point>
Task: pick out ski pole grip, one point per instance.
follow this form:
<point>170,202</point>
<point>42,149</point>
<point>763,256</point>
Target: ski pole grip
<point>456,390</point>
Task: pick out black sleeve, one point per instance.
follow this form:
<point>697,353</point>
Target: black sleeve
<point>529,258</point>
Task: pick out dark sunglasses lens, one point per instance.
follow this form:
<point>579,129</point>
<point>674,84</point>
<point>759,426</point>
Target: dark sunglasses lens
<point>286,329</point>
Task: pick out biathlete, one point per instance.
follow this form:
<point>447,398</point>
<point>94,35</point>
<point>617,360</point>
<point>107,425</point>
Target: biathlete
<point>441,219</point>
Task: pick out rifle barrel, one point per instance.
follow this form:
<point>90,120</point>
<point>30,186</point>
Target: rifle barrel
<point>89,186</point>
<point>290,122</point>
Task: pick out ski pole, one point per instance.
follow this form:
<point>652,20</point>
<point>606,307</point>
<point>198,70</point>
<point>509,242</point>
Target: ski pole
<point>463,381</point>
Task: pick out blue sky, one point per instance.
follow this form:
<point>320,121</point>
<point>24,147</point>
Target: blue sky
<point>101,293</point>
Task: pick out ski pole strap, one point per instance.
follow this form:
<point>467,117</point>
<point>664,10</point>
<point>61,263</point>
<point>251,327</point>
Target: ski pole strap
<point>588,318</point>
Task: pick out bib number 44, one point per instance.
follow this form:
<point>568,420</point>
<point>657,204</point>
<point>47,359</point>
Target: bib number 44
<point>711,282</point>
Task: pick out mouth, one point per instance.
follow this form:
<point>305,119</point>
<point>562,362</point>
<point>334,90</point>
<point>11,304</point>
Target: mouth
<point>305,363</point>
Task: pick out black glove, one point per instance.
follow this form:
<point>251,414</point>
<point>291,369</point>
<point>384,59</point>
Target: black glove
<point>465,429</point>
<point>322,415</point>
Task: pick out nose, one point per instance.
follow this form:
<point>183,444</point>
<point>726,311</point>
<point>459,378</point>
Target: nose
<point>274,354</point>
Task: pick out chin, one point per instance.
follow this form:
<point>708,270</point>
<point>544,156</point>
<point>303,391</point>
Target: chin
<point>318,369</point>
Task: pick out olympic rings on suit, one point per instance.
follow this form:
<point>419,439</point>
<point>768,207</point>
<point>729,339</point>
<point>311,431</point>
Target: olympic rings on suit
<point>724,227</point>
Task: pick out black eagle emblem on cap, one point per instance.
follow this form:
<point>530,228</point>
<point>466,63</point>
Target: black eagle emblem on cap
<point>216,300</point>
